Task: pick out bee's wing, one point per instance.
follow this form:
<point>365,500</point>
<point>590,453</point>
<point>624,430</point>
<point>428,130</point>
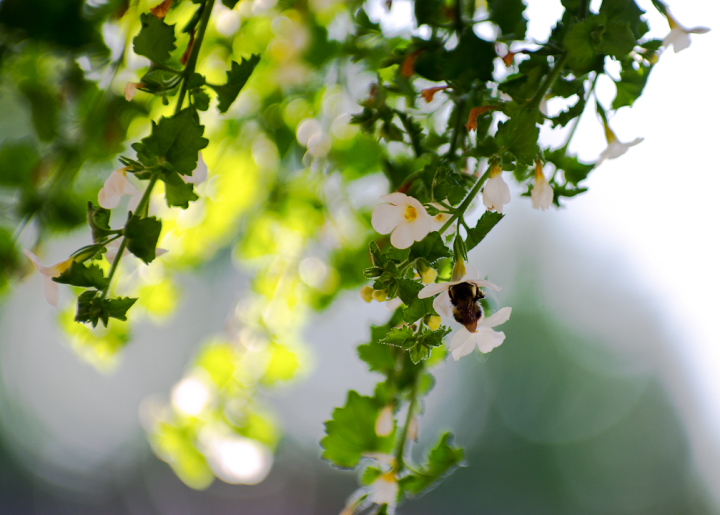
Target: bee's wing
<point>443,305</point>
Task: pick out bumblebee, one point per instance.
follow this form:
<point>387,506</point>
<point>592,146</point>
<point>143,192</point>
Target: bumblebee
<point>466,308</point>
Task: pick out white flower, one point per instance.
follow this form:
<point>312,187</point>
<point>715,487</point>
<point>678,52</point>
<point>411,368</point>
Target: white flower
<point>48,272</point>
<point>405,217</point>
<point>496,192</point>
<point>199,174</point>
<point>542,193</point>
<point>385,422</point>
<point>442,302</point>
<point>615,148</point>
<point>384,490</point>
<point>441,218</point>
<point>116,185</point>
<point>679,36</point>
<point>484,338</point>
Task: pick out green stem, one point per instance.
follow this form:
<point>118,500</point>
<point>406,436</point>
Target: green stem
<point>547,84</point>
<point>192,60</point>
<point>144,202</point>
<point>189,70</point>
<point>465,204</point>
<point>400,452</point>
<point>577,120</point>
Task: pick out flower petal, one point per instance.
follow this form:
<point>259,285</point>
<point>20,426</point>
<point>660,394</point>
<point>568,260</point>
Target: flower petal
<point>471,273</point>
<point>402,237</point>
<point>393,304</point>
<point>396,198</point>
<point>698,30</point>
<point>502,316</point>
<point>45,270</point>
<point>421,226</point>
<point>433,289</point>
<point>443,305</point>
<point>487,339</point>
<point>462,343</point>
<point>108,199</point>
<point>51,290</point>
<point>386,217</point>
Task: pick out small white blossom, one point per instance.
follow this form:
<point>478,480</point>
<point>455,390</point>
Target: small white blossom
<point>679,36</point>
<point>615,148</point>
<point>50,287</point>
<point>116,185</point>
<point>199,174</point>
<point>405,217</point>
<point>393,304</point>
<point>385,422</point>
<point>384,490</point>
<point>442,303</point>
<point>484,338</point>
<point>542,193</point>
<point>496,192</point>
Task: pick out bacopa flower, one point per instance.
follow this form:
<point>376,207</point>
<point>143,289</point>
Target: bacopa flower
<point>615,148</point>
<point>383,490</point>
<point>199,174</point>
<point>50,287</point>
<point>496,192</point>
<point>542,193</point>
<point>116,185</point>
<point>679,36</point>
<point>484,338</point>
<point>405,217</point>
<point>442,303</point>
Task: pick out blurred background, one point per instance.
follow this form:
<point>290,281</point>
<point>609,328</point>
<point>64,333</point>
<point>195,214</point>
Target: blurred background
<point>604,398</point>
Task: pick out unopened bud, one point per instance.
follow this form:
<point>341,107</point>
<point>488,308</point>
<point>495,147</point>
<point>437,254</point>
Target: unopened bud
<point>458,270</point>
<point>385,423</point>
<point>379,295</point>
<point>366,293</point>
<point>429,275</point>
<point>433,322</point>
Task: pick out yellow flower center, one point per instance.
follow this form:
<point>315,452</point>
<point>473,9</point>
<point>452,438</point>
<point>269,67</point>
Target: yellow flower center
<point>410,213</point>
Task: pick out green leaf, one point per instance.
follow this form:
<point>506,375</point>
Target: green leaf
<point>156,39</point>
<point>574,170</point>
<point>84,276</point>
<point>441,461</point>
<point>369,475</point>
<point>628,11</point>
<point>351,432</point>
<point>230,3</point>
<point>398,336</point>
<point>580,43</point>
<point>178,139</point>
<point>177,192</point>
<point>44,108</point>
<point>18,160</point>
<point>618,40</point>
<point>93,309</point>
<point>142,235</point>
<point>99,222</point>
<point>508,15</point>
<point>519,135</point>
<point>471,59</point>
<point>418,309</point>
<point>380,358</point>
<point>631,84</point>
<point>236,79</point>
<point>431,247</point>
<point>200,99</point>
<point>428,12</point>
<point>408,290</point>
<point>476,234</point>
<point>117,308</point>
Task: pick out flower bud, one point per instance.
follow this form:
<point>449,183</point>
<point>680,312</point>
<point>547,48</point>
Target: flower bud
<point>379,295</point>
<point>427,274</point>
<point>433,322</point>
<point>385,422</point>
<point>366,292</point>
<point>458,270</point>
